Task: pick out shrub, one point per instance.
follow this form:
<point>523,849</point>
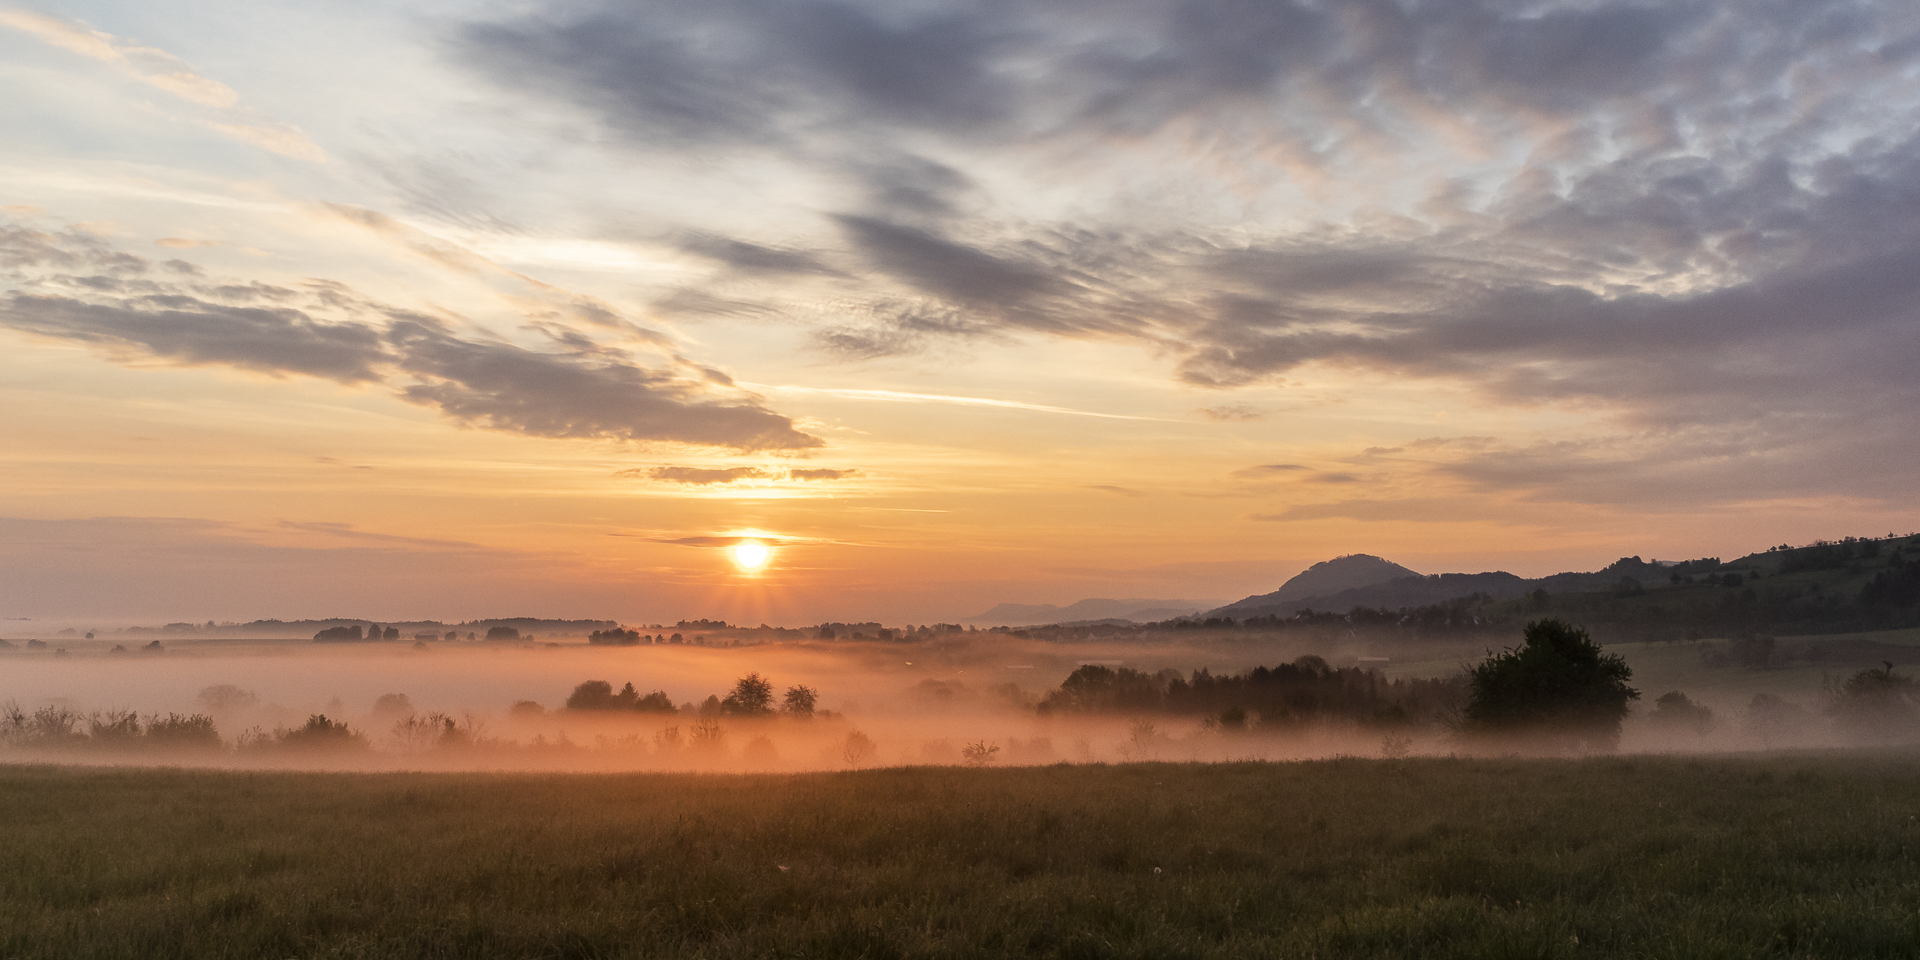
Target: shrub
<point>320,733</point>
<point>706,734</point>
<point>1875,704</point>
<point>393,704</point>
<point>1675,711</point>
<point>1556,687</point>
<point>115,728</point>
<point>429,731</point>
<point>667,740</point>
<point>52,726</point>
<point>760,751</point>
<point>979,753</point>
<point>191,731</point>
<point>857,748</point>
<point>226,696</point>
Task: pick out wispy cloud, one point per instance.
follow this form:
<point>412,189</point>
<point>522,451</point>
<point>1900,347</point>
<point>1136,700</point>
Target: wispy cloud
<point>128,307</point>
<point>698,476</point>
<point>164,71</point>
<point>896,396</point>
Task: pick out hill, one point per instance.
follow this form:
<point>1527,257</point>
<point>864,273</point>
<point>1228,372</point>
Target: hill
<point>1826,587</point>
<point>1328,577</point>
<point>1406,591</point>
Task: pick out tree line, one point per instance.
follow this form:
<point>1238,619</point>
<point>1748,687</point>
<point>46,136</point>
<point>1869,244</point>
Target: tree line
<point>751,696</point>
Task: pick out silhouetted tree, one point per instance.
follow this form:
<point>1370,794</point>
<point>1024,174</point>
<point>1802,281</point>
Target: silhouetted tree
<point>800,700</point>
<point>1557,686</point>
<point>857,748</point>
<point>752,696</point>
<point>1876,704</point>
<point>591,695</point>
<point>655,702</point>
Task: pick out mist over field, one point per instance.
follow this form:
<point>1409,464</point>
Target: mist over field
<point>503,706</point>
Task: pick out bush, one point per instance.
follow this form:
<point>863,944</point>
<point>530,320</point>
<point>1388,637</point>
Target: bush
<point>393,704</point>
<point>1675,712</point>
<point>429,731</point>
<point>1557,688</point>
<point>1875,704</point>
<point>707,735</point>
<point>761,752</point>
<point>321,733</point>
<point>226,697</point>
<point>192,731</point>
<point>115,728</point>
<point>979,753</point>
<point>857,748</point>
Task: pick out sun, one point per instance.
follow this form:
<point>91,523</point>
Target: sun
<point>751,555</point>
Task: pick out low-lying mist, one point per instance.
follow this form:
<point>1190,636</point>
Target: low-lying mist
<point>970,698</point>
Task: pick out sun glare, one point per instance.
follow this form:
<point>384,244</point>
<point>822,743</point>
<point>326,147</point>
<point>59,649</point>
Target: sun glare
<point>751,554</point>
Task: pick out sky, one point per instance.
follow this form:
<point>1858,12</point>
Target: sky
<point>456,310</point>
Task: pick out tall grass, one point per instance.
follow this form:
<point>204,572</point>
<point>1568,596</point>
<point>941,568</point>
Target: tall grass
<point>1654,857</point>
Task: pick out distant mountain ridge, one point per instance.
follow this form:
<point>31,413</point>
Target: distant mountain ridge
<point>1394,593</point>
<point>1138,610</point>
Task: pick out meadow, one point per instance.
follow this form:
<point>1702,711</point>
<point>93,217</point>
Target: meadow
<point>1791,855</point>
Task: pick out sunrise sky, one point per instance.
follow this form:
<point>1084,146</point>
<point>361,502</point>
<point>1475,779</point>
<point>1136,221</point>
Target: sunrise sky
<point>534,308</point>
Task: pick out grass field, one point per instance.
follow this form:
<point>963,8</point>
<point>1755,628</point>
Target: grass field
<point>1609,857</point>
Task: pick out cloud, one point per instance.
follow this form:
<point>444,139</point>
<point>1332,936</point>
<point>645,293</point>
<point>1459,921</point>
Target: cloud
<point>727,541</point>
<point>698,476</point>
<point>284,139</point>
<point>193,332</point>
<point>584,392</point>
<point>1408,510</point>
<point>150,66</point>
<point>752,258</point>
<point>898,396</point>
<point>1681,222</point>
<point>346,531</point>
<point>821,473</point>
<point>1268,470</point>
<point>164,71</point>
<point>945,268</point>
<point>1232,413</point>
<point>504,387</point>
<point>1117,491</point>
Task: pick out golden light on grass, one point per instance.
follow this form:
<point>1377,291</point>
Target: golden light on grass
<point>751,555</point>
